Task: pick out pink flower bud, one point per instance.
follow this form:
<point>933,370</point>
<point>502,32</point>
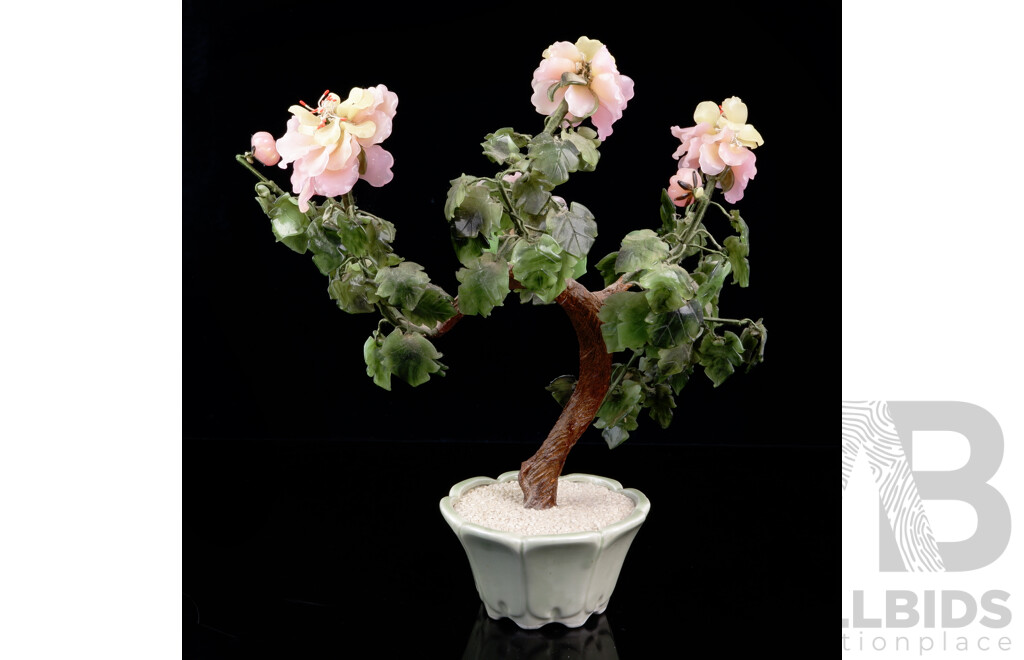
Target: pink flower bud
<point>264,148</point>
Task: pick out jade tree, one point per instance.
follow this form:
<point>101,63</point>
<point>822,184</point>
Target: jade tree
<point>660,304</point>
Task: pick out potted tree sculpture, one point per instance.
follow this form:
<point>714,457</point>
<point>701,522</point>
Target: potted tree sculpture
<point>659,306</point>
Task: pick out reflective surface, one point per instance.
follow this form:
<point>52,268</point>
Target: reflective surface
<point>288,554</point>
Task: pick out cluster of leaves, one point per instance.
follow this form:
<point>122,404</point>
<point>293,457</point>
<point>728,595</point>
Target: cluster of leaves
<point>512,223</point>
<point>666,322</point>
<point>353,249</point>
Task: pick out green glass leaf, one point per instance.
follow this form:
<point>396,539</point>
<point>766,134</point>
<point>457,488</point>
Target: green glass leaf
<point>374,359</point>
<point>618,404</point>
<point>753,338</point>
<point>456,194</point>
<point>668,287</point>
<point>433,307</point>
<point>715,272</point>
<point>679,381</point>
<point>503,145</point>
<point>562,388</point>
<point>402,285</point>
<point>607,268</point>
<point>353,291</point>
<point>529,194</point>
<point>720,356</point>
<point>589,155</point>
<point>739,226</point>
<point>614,436</point>
<point>668,212</point>
<point>538,267</point>
<point>410,356</point>
<point>574,228</point>
<point>738,251</point>
<point>674,360</point>
<point>624,321</point>
<point>640,249</point>
<point>484,284</point>
<point>552,160</point>
<point>667,329</point>
<point>478,214</point>
<point>587,132</point>
<point>468,249</point>
<point>659,403</point>
<point>287,222</point>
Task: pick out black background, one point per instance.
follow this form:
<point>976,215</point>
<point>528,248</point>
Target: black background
<point>311,523</point>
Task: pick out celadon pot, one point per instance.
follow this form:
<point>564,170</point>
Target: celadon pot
<point>550,578</point>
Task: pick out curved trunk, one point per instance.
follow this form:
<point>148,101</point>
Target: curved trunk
<point>538,475</point>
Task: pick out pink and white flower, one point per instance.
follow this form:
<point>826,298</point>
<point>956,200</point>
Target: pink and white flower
<point>337,143</point>
<point>601,92</point>
<point>721,141</point>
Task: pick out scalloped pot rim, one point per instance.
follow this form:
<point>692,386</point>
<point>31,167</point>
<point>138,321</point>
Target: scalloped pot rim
<point>641,507</point>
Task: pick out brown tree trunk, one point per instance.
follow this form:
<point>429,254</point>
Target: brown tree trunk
<point>538,476</point>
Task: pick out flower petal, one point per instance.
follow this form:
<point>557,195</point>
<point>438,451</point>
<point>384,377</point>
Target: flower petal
<point>581,100</point>
<point>733,154</point>
<point>749,137</point>
<point>563,49</point>
<point>552,69</point>
<point>365,129</point>
<point>378,166</point>
<point>589,47</point>
<point>706,113</point>
<point>710,162</point>
<point>603,120</point>
<point>735,110</point>
<point>540,97</point>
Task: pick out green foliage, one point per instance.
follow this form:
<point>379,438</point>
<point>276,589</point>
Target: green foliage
<point>457,194</point>
<point>659,403</point>
<point>624,321</point>
<point>484,284</point>
<point>286,221</point>
<point>720,356</point>
<point>573,228</point>
<point>353,291</point>
<point>410,356</point>
<point>562,388</point>
<point>402,285</point>
<point>754,337</point>
<point>552,160</point>
<point>479,213</point>
<point>542,267</point>
<point>618,413</point>
<point>528,194</point>
<point>668,287</point>
<point>607,268</point>
<point>712,276</point>
<point>503,146</point>
<point>667,212</point>
<point>640,249</point>
<point>435,306</point>
<point>587,148</point>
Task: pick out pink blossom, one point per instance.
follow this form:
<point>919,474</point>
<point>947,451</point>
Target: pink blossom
<point>720,145</point>
<point>263,148</point>
<point>682,185</point>
<point>329,145</point>
<point>602,98</point>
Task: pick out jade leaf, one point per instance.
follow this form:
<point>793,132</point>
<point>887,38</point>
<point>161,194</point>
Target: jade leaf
<point>484,284</point>
<point>402,285</point>
<point>538,267</point>
<point>720,356</point>
<point>624,321</point>
<point>574,228</point>
<point>562,388</point>
<point>374,359</point>
<point>738,251</point>
<point>529,195</point>
<point>607,268</point>
<point>659,403</point>
<point>640,249</point>
<point>552,160</point>
<point>353,291</point>
<point>433,307</point>
<point>456,194</point>
<point>668,287</point>
<point>410,356</point>
<point>287,222</point>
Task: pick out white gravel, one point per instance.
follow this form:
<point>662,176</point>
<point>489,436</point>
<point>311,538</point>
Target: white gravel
<point>581,507</point>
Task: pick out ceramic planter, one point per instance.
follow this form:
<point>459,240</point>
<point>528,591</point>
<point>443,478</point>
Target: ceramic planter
<point>535,580</point>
